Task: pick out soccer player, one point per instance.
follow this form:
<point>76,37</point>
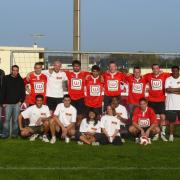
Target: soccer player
<point>110,126</point>
<point>112,81</point>
<point>56,82</point>
<point>89,127</point>
<point>172,86</point>
<point>156,99</point>
<point>37,82</point>
<point>38,116</point>
<point>137,85</point>
<point>144,121</point>
<point>64,120</point>
<point>94,87</point>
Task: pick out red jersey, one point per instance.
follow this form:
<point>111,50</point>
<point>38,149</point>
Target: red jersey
<point>136,89</point>
<point>37,86</point>
<point>144,119</point>
<point>76,84</point>
<point>94,88</point>
<point>112,83</point>
<point>156,86</point>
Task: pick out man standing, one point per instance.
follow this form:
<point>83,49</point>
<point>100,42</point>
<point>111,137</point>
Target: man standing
<point>172,86</point>
<point>13,95</point>
<point>112,81</point>
<point>156,82</point>
<point>94,87</point>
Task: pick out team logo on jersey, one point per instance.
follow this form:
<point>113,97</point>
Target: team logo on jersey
<point>76,84</point>
<point>144,122</point>
<point>137,88</point>
<point>94,90</point>
<point>58,78</point>
<point>156,84</point>
<point>113,122</point>
<point>68,114</point>
<point>112,85</point>
<point>39,87</point>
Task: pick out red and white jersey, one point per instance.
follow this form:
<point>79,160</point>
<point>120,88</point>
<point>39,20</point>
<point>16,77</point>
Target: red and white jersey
<point>144,119</point>
<point>76,84</point>
<point>156,86</point>
<point>94,88</point>
<point>112,83</point>
<point>136,89</point>
<point>37,86</point>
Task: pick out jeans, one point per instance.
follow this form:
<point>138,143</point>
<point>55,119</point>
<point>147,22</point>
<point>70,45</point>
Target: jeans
<point>1,123</point>
<point>11,111</point>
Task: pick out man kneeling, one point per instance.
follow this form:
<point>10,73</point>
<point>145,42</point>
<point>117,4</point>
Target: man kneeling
<point>38,116</point>
<point>64,120</point>
<point>144,121</point>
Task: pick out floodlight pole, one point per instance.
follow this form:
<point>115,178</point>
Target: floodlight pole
<point>76,31</point>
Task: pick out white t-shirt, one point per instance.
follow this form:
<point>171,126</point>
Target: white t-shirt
<point>89,127</point>
<point>55,83</point>
<point>123,112</point>
<point>110,124</point>
<point>33,113</point>
<point>172,100</point>
<point>66,115</point>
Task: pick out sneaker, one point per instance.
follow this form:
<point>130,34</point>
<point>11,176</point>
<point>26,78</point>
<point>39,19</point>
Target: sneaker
<point>45,139</point>
<point>137,140</point>
<point>67,140</point>
<point>123,140</point>
<point>95,143</point>
<point>80,143</point>
<point>53,140</point>
<point>171,138</point>
<point>33,137</point>
<point>163,137</point>
<point>156,137</point>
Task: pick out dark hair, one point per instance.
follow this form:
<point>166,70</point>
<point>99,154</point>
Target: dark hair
<point>155,65</point>
<point>136,67</point>
<point>66,96</point>
<point>15,66</point>
<point>39,96</point>
<point>175,67</point>
<point>76,62</point>
<point>38,64</point>
<point>112,62</point>
<point>95,119</point>
<point>113,109</point>
<point>143,99</point>
<point>95,67</point>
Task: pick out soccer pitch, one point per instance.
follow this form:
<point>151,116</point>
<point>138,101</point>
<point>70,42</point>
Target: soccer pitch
<point>22,159</point>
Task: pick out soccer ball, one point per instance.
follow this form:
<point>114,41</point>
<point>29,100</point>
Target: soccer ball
<point>144,140</point>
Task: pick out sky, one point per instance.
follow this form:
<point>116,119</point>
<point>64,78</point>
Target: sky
<point>106,25</point>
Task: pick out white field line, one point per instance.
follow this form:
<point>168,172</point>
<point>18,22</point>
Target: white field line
<point>90,168</point>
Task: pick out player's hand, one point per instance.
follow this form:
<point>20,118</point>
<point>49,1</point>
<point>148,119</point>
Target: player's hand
<point>4,105</point>
<point>39,122</point>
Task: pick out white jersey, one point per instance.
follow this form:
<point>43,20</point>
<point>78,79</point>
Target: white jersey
<point>110,124</point>
<point>121,110</point>
<point>89,127</point>
<point>33,113</point>
<point>55,83</point>
<point>66,115</point>
<point>172,100</point>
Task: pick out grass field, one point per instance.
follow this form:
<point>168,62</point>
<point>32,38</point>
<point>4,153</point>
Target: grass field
<point>21,159</point>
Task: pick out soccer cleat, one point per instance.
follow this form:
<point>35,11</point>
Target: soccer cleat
<point>171,138</point>
<point>156,137</point>
<point>163,137</point>
<point>33,137</point>
<point>95,143</point>
<point>67,140</point>
<point>137,140</point>
<point>80,143</point>
<point>123,140</point>
<point>149,141</point>
<point>53,140</point>
<point>45,139</point>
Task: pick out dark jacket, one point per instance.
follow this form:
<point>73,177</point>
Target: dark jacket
<point>13,90</point>
<point>2,74</point>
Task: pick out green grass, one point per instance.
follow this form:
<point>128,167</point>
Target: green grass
<point>70,161</point>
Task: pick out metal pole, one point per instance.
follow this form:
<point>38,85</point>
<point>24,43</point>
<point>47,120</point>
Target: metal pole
<point>76,32</point>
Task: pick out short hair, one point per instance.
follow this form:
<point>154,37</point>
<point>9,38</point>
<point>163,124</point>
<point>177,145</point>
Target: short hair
<point>66,96</point>
<point>143,99</point>
<point>39,96</point>
<point>95,67</point>
<point>155,64</point>
<point>76,62</point>
<point>15,66</point>
<point>38,64</point>
<point>137,67</point>
<point>112,62</point>
<point>175,67</point>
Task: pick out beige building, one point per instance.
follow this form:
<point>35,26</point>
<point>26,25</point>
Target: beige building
<point>24,57</point>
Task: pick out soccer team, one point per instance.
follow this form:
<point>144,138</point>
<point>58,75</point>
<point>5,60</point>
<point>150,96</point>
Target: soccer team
<point>87,106</point>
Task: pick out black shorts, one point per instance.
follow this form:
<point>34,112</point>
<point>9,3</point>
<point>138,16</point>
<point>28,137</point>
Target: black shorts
<point>98,111</point>
<point>158,107</point>
<point>171,115</point>
<point>53,102</point>
<point>79,105</point>
<point>37,129</point>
